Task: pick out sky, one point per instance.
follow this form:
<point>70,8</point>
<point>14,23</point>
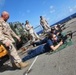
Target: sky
<point>52,10</point>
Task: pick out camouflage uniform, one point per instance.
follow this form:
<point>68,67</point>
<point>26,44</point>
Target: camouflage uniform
<point>31,32</point>
<point>44,24</point>
<point>6,34</point>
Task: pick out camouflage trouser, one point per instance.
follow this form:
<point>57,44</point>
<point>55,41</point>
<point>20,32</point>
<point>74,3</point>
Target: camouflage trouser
<point>14,57</point>
<point>34,36</point>
<point>46,27</point>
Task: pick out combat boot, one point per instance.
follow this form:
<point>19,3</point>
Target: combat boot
<point>23,64</point>
<point>16,65</point>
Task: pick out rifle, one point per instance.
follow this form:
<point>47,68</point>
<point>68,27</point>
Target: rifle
<point>68,35</point>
